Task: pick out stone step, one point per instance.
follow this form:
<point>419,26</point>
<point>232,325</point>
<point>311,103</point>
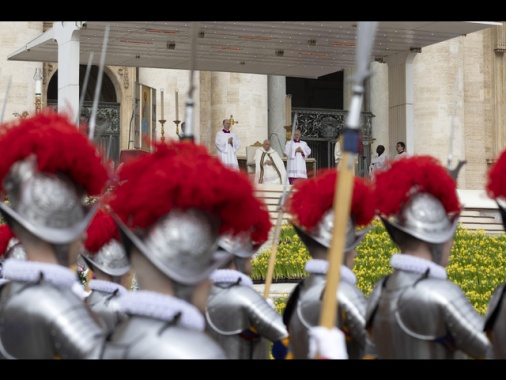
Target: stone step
<point>473,217</point>
<point>487,227</point>
<point>466,212</point>
<point>481,219</point>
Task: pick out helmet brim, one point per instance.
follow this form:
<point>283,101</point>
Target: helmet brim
<point>186,277</point>
<point>48,234</point>
<point>357,238</point>
<point>115,272</point>
<point>433,237</point>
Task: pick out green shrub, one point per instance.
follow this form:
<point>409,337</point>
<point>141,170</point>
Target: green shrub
<point>477,262</point>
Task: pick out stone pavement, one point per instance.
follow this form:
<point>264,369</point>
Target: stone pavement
<point>282,289</point>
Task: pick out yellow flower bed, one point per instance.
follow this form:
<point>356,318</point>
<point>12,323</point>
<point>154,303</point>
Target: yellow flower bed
<point>477,262</point>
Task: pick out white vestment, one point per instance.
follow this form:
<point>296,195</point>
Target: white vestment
<point>296,164</point>
<point>274,173</point>
<point>227,152</point>
<point>377,163</point>
<point>401,155</point>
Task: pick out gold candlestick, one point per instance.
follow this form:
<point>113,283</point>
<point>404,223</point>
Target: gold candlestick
<point>162,122</point>
<point>177,126</point>
<point>288,129</point>
<point>38,103</point>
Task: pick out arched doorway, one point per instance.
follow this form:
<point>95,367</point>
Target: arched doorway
<point>107,123</point>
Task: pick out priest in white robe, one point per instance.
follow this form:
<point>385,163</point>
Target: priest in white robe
<point>227,144</point>
<point>296,152</point>
<point>269,167</point>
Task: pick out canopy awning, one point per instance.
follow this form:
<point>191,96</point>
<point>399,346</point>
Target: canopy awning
<point>287,48</point>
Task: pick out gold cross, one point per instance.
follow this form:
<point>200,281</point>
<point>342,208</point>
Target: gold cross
<point>232,121</point>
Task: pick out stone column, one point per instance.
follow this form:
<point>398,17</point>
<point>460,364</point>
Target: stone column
<point>379,106</point>
<point>243,97</point>
<point>375,101</point>
<point>67,35</point>
<point>499,89</point>
<point>276,113</point>
<point>400,99</point>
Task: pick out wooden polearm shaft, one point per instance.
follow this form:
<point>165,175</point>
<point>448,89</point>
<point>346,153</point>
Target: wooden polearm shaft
<point>344,186</point>
<point>272,257</point>
<point>277,231</point>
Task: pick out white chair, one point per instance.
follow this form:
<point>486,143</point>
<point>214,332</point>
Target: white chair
<point>250,156</point>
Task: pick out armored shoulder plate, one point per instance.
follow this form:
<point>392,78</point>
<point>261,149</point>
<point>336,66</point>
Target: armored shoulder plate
<point>441,299</point>
<point>106,306</point>
<point>147,338</point>
<point>419,317</point>
<point>351,320</point>
<point>40,321</point>
<point>233,309</point>
<point>309,305</point>
<point>242,322</point>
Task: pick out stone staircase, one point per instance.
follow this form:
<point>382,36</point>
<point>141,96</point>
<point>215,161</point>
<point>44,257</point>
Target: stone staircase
<point>271,195</point>
<point>479,219</point>
<point>479,213</point>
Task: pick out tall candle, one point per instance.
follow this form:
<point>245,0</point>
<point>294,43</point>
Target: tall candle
<point>38,87</point>
<point>177,105</point>
<point>288,109</point>
<point>162,104</point>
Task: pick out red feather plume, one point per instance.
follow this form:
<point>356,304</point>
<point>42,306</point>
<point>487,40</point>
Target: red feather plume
<point>496,178</point>
<point>59,147</point>
<point>101,231</point>
<point>5,235</point>
<point>311,198</point>
<point>184,175</point>
<point>394,186</point>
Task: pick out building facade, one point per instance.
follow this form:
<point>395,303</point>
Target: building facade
<point>457,86</point>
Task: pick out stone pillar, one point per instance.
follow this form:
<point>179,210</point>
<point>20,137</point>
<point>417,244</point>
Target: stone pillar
<point>243,97</point>
<point>379,106</point>
<point>375,101</point>
<point>67,35</point>
<point>400,99</point>
<point>499,89</point>
<point>276,101</point>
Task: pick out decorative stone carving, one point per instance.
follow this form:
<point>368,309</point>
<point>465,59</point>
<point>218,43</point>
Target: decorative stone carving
<point>123,72</point>
<point>329,124</point>
<point>47,68</point>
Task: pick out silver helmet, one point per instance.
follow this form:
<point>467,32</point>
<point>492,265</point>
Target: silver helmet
<point>239,245</point>
<point>240,248</point>
<point>49,206</point>
<point>423,217</point>
<point>111,259</point>
<point>322,232</point>
<point>181,244</point>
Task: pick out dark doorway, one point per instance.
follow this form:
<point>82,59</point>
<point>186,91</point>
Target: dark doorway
<point>324,92</point>
<point>107,93</point>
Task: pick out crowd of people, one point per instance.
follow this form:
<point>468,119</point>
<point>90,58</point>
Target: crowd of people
<point>187,224</point>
